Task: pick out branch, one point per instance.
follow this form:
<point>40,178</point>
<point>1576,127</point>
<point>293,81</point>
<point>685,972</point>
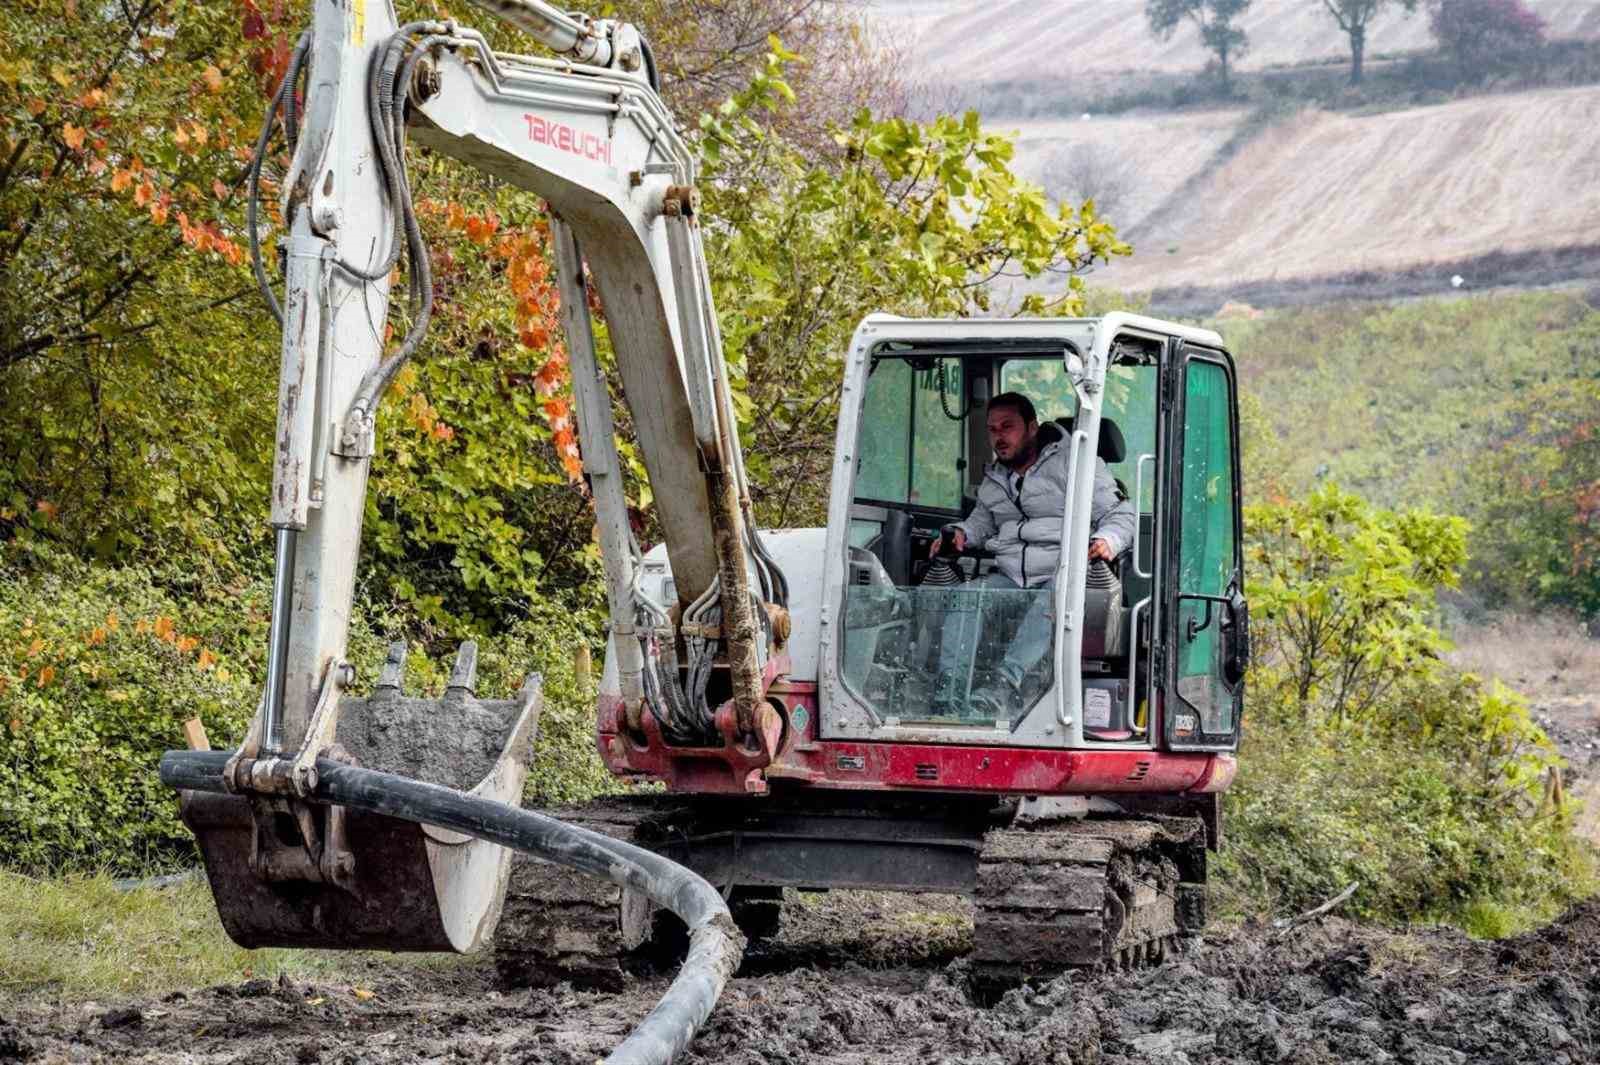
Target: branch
<point>1286,925</point>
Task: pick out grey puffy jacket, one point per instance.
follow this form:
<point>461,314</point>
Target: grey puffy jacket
<point>1023,528</point>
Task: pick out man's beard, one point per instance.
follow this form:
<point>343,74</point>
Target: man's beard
<point>1025,454</point>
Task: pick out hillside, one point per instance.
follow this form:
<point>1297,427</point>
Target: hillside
<point>1325,194</point>
<point>1024,40</point>
<point>1130,164</point>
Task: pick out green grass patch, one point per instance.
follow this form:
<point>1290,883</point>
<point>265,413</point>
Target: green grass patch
<point>1481,406</point>
<point>79,936</point>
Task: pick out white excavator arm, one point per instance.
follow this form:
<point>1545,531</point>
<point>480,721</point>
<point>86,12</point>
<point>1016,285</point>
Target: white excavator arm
<point>586,131</point>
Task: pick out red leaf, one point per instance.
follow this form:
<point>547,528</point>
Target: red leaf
<point>255,27</point>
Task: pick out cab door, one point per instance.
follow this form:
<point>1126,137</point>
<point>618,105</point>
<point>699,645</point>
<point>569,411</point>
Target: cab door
<point>1206,620</point>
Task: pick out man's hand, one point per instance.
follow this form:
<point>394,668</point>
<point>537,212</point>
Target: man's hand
<point>958,538</point>
<point>1100,551</point>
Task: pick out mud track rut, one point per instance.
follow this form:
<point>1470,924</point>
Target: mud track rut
<point>1333,992</point>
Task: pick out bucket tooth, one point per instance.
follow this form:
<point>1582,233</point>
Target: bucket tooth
<point>392,676</point>
<point>464,675</point>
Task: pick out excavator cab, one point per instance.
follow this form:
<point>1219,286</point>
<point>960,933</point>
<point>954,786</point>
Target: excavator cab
<point>948,647</point>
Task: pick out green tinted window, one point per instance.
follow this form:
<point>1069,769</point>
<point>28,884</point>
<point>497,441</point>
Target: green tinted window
<point>1206,541</point>
<point>1131,403</point>
<point>938,438</point>
<point>912,435</point>
<point>1045,382</point>
<point>884,471</point>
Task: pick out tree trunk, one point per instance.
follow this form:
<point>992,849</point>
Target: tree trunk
<point>1222,58</point>
<point>1358,48</point>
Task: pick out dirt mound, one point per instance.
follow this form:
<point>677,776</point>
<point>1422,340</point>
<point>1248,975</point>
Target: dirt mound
<point>869,982</point>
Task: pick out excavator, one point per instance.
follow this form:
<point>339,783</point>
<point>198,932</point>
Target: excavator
<point>790,692</point>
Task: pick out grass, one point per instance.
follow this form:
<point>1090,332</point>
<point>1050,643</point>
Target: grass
<point>1393,401</point>
<point>79,936</point>
<point>1544,656</point>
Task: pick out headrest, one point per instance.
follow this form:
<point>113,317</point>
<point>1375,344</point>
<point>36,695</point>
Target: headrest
<point>1113,448</point>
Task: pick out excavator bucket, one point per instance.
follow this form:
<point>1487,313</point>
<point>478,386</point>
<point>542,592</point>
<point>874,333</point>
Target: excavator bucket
<point>285,872</point>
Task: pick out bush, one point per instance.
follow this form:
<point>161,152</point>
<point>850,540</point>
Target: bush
<point>1316,807</point>
<point>1367,758</point>
<point>100,666</point>
<point>99,669</point>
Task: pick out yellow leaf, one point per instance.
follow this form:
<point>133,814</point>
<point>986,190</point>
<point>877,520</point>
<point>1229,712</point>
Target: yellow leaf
<point>36,646</point>
<point>206,659</point>
<point>73,135</point>
<point>92,98</point>
<point>35,107</point>
<point>213,79</point>
<point>46,675</point>
<point>186,644</point>
<point>163,627</point>
<point>362,993</point>
<point>97,636</point>
<point>181,135</point>
<point>121,180</point>
<point>112,622</point>
<point>59,75</point>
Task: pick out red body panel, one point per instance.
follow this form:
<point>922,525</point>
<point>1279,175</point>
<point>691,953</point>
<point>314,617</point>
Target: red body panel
<point>855,765</point>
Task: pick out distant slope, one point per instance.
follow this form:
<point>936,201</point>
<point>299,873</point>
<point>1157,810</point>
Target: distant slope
<point>979,41</point>
<point>1130,164</point>
<point>1325,194</point>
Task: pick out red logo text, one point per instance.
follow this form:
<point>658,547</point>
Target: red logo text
<point>560,135</point>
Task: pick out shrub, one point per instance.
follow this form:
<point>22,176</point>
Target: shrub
<point>1316,807</point>
<point>99,669</point>
<point>100,666</point>
<point>1367,758</point>
<point>1344,592</point>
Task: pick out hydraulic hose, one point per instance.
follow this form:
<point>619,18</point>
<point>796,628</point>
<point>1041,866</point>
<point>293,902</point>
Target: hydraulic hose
<point>715,945</point>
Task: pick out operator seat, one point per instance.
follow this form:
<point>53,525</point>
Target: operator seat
<point>1112,446</point>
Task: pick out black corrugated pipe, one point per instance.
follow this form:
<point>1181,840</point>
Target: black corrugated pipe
<point>715,944</point>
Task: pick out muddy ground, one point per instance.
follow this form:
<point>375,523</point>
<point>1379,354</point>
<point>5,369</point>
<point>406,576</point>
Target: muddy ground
<point>875,978</point>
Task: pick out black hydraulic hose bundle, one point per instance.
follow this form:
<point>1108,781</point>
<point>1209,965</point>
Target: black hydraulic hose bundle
<point>715,945</point>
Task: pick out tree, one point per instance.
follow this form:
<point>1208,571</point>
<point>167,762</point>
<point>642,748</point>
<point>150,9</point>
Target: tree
<point>1536,481</point>
<point>1353,16</point>
<point>1214,18</point>
<point>1484,34</point>
<point>908,217</point>
<point>129,342</point>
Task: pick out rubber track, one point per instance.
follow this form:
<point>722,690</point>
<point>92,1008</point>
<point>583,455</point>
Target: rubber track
<point>1091,894</point>
<point>559,926</point>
